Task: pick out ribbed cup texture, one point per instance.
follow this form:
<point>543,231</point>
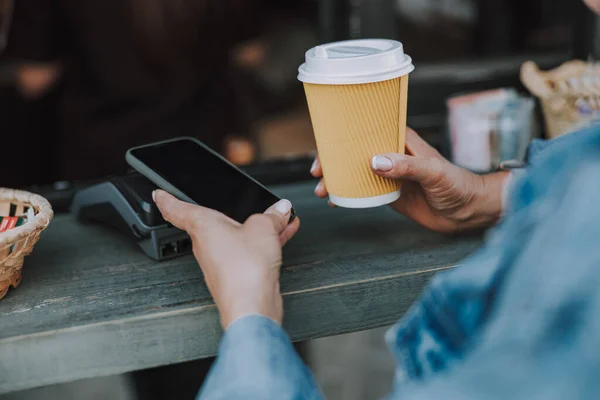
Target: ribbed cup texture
<point>352,123</point>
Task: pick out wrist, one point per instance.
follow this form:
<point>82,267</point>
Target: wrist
<point>261,299</point>
<point>486,206</point>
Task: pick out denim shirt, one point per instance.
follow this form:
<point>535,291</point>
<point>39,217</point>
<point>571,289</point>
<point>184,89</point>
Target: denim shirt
<point>519,319</point>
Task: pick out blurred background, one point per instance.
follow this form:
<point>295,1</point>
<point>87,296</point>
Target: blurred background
<point>82,81</point>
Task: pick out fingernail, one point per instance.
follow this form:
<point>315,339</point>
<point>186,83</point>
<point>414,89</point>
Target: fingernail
<point>313,166</point>
<point>319,186</point>
<point>381,163</point>
<point>154,196</point>
<point>283,206</point>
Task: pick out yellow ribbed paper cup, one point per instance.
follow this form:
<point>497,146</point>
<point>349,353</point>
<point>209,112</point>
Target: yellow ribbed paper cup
<point>357,94</point>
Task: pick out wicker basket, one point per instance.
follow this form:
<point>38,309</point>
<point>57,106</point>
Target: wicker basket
<point>18,242</point>
<point>558,99</point>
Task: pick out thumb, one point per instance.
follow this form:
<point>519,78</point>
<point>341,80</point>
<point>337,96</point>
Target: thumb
<point>279,214</point>
<point>400,166</point>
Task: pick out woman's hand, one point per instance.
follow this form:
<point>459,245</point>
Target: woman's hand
<point>436,193</point>
<point>240,262</point>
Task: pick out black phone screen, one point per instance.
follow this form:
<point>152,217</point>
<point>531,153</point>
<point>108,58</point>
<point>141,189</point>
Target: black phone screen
<point>206,178</point>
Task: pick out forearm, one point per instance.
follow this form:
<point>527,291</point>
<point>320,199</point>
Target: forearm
<point>257,361</point>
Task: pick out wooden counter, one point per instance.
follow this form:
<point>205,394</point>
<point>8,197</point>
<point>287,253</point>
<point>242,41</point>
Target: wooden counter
<point>91,304</point>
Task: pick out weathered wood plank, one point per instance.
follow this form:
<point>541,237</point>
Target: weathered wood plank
<point>91,304</point>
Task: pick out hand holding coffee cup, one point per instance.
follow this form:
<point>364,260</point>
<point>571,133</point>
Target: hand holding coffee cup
<point>436,193</point>
<point>357,93</point>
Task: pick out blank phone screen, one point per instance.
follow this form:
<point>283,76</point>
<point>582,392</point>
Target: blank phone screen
<point>206,178</point>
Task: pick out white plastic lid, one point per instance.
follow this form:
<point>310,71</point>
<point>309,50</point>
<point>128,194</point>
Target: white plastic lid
<point>354,62</point>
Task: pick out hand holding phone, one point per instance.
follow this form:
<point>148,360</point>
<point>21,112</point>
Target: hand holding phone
<point>240,261</point>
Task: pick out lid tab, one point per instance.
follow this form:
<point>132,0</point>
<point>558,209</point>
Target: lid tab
<point>321,52</point>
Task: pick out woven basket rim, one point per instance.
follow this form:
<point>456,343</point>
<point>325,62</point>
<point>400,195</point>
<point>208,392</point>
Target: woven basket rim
<point>40,221</point>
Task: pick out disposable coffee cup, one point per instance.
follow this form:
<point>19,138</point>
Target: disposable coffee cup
<point>357,93</point>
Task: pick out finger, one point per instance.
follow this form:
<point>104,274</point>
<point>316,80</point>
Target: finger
<point>416,146</point>
<point>330,204</point>
<point>316,170</point>
<point>179,213</point>
<point>400,166</point>
<point>290,230</point>
<point>321,190</point>
<point>279,215</point>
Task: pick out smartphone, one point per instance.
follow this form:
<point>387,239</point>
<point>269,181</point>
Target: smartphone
<point>192,172</point>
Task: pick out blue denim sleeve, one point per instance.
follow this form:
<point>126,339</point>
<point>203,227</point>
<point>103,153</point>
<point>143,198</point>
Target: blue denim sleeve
<point>519,319</point>
<point>256,360</point>
<point>540,150</point>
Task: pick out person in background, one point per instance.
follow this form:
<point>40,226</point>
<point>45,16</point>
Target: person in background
<point>519,319</point>
<point>131,72</point>
<point>121,73</point>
